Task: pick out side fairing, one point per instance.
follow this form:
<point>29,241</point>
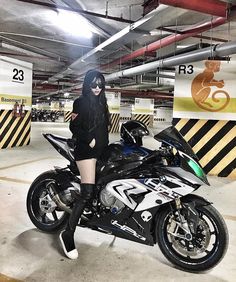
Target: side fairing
<point>61,145</point>
<point>150,192</point>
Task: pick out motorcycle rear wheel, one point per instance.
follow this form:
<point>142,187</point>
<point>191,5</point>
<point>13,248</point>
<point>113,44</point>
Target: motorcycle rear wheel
<point>38,201</point>
<point>207,247</point>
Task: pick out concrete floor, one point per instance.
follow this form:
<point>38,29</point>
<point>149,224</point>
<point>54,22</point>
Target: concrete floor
<point>27,254</point>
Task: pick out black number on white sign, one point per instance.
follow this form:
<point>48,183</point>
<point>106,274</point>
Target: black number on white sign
<point>18,74</point>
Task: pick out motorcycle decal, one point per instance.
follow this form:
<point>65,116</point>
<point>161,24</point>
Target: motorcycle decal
<point>122,189</point>
<point>146,216</point>
<point>128,230</point>
<point>154,192</point>
<point>116,188</point>
<point>161,193</point>
<point>162,189</point>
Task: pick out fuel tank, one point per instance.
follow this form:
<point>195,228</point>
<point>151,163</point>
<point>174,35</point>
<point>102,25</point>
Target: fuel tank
<point>118,157</point>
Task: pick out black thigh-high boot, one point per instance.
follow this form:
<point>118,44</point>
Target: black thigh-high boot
<point>67,236</point>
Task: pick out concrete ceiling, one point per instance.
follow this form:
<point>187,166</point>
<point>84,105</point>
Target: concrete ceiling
<point>30,31</point>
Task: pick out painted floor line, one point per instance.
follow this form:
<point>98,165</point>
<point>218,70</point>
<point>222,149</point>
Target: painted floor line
<point>23,163</point>
<point>28,162</point>
<point>229,217</point>
<point>15,180</point>
<point>4,278</point>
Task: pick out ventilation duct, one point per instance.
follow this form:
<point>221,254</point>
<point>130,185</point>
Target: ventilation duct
<point>224,49</point>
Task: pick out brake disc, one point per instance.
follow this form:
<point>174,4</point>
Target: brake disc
<point>197,245</point>
<point>46,204</point>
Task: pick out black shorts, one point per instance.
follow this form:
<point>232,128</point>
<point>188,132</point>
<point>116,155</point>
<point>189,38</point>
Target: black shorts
<point>83,151</point>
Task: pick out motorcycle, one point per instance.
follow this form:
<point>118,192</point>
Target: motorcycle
<point>141,195</point>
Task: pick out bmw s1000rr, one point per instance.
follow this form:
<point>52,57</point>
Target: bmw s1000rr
<point>141,195</point>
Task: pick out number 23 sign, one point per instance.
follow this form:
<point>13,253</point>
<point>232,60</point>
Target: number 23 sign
<point>18,75</point>
<point>15,78</point>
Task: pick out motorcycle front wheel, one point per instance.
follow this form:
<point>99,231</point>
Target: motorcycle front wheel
<point>205,249</point>
<point>42,210</point>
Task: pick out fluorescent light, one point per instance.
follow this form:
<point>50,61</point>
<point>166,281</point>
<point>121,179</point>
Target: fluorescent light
<point>183,46</point>
<point>73,24</point>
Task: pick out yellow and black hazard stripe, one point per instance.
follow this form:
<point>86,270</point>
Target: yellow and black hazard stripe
<point>146,119</point>
<point>14,131</point>
<point>115,120</point>
<point>214,142</point>
<point>67,116</point>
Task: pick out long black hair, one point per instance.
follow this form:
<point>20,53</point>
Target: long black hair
<point>98,107</point>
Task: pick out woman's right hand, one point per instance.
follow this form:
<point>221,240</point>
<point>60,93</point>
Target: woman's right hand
<point>73,116</point>
<point>92,143</point>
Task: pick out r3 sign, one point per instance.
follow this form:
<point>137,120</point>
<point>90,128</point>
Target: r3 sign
<point>186,69</point>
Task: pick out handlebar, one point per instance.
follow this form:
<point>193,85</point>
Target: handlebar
<point>153,155</point>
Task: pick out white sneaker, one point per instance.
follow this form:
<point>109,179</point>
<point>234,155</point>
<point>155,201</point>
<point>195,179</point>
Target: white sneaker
<point>70,253</point>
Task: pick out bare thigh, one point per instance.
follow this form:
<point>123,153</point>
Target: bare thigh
<point>87,169</point>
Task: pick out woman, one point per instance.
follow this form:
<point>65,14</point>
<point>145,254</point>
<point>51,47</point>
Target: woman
<point>89,125</point>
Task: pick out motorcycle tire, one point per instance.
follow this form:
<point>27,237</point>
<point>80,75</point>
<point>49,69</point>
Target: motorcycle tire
<point>49,221</point>
<point>207,247</point>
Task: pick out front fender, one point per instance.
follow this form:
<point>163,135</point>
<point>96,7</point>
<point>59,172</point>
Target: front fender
<point>198,200</point>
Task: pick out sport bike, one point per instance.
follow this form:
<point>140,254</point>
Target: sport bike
<point>141,195</point>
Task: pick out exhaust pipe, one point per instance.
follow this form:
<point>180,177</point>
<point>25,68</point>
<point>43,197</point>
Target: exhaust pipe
<point>61,205</point>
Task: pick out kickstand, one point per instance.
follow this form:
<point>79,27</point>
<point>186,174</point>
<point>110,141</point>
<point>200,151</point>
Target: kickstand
<point>112,242</point>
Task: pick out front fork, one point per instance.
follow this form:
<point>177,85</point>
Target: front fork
<point>188,219</point>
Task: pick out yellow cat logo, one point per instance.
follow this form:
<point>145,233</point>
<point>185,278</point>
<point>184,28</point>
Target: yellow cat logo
<point>201,88</point>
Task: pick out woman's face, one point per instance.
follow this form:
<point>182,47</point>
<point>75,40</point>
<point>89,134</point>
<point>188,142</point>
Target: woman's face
<point>96,87</point>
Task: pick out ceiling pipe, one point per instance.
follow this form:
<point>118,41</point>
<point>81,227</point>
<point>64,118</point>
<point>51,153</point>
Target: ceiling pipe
<point>36,49</point>
<point>224,49</point>
<point>29,56</point>
<point>132,93</point>
<point>202,54</point>
<point>211,7</point>
<point>100,47</point>
<point>196,29</point>
<point>45,39</point>
<point>25,53</point>
<point>142,94</point>
<point>114,38</point>
<point>207,6</point>
<point>211,38</point>
<point>80,11</point>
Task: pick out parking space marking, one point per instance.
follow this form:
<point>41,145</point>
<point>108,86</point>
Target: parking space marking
<point>4,278</point>
<point>229,217</point>
<point>15,180</point>
<point>27,162</point>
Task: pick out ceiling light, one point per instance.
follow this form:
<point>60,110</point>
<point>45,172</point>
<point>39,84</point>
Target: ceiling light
<point>66,95</point>
<point>183,46</point>
<point>73,24</point>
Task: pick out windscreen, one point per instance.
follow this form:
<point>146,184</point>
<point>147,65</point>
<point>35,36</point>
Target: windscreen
<point>171,136</point>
